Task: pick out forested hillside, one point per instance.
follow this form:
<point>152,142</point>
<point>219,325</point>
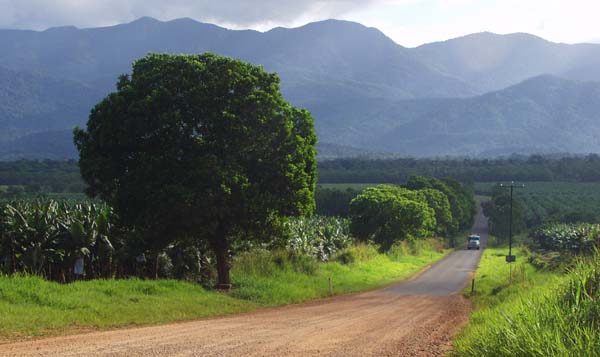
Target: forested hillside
<point>479,95</point>
<point>31,103</point>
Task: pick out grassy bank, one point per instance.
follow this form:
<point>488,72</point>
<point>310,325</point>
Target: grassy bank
<point>32,306</point>
<point>537,313</point>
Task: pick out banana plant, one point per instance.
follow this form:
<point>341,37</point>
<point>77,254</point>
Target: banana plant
<point>33,231</point>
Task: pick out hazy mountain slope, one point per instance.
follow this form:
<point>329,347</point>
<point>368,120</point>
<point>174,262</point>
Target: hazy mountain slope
<point>323,66</point>
<point>364,90</point>
<point>490,62</point>
<point>541,115</point>
<point>32,103</point>
<point>334,55</point>
<point>56,145</point>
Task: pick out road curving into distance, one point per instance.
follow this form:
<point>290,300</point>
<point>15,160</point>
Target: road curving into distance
<point>413,318</point>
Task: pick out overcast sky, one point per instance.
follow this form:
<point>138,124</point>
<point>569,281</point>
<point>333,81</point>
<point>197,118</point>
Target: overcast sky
<point>408,22</point>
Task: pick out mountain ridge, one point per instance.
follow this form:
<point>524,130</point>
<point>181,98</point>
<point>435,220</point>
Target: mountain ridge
<point>361,86</point>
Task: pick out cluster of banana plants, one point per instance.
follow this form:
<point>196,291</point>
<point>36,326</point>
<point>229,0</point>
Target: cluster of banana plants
<point>318,236</point>
<point>579,238</point>
<point>52,239</point>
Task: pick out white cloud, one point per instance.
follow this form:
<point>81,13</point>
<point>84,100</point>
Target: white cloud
<point>40,14</point>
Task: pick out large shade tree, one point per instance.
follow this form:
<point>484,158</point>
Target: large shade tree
<point>202,146</point>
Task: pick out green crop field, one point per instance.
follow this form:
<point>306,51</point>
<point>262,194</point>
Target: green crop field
<point>555,200</point>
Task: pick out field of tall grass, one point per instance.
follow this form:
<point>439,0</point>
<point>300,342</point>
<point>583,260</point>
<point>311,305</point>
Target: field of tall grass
<point>33,306</point>
<point>536,313</point>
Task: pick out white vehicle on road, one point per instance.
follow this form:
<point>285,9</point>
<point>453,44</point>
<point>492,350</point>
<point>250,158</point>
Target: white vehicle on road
<point>473,242</point>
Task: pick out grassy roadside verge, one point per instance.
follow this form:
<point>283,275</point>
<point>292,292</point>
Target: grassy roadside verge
<point>538,313</point>
<point>30,306</point>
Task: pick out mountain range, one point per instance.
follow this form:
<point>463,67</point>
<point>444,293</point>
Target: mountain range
<point>482,94</point>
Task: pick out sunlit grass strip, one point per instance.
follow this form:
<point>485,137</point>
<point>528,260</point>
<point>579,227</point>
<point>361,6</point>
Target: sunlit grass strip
<point>538,314</point>
<point>33,306</point>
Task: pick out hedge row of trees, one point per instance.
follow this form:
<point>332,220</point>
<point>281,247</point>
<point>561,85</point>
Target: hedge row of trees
<point>64,176</point>
<point>518,168</point>
<point>424,207</point>
<point>28,176</point>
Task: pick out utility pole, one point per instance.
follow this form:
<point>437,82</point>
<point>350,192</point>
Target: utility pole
<point>510,258</point>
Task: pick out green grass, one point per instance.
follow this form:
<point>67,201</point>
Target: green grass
<point>32,306</point>
<point>538,313</point>
<point>497,281</point>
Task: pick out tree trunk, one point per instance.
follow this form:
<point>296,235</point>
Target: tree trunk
<point>221,247</point>
<point>156,265</point>
<point>13,257</point>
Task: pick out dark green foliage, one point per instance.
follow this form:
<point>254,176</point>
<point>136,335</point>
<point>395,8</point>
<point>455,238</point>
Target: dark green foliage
<point>42,176</point>
<point>461,200</point>
<point>386,214</point>
<point>517,168</point>
<point>438,201</point>
<point>498,212</point>
<point>201,146</point>
<point>334,202</point>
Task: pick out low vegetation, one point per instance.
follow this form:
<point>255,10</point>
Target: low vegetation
<point>538,310</point>
<point>33,306</point>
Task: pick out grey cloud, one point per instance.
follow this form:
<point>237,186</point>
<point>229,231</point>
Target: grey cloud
<point>41,14</point>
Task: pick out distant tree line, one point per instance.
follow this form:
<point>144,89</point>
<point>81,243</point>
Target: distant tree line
<point>518,168</point>
<point>64,176</point>
<point>41,176</point>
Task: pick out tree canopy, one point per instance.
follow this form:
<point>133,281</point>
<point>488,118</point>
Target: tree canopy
<point>498,211</point>
<point>461,200</point>
<point>202,146</point>
<point>386,214</point>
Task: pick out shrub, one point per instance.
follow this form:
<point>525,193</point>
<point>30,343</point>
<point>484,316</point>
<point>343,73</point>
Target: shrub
<point>574,238</point>
<point>358,253</point>
<point>261,262</point>
<point>320,237</point>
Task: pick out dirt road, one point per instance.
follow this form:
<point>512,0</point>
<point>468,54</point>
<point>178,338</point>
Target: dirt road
<point>414,318</point>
